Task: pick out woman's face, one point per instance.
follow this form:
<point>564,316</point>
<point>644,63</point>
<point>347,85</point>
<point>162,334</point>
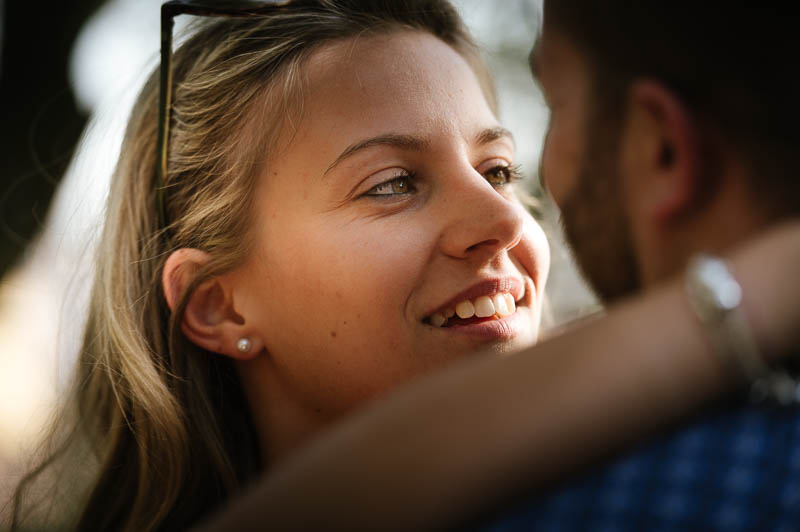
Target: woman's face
<point>388,204</point>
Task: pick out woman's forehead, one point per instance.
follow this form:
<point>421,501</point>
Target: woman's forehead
<point>406,82</point>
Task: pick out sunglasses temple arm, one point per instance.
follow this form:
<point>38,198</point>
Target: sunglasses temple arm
<point>165,103</point>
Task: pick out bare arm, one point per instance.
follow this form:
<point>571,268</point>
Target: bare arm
<point>463,438</point>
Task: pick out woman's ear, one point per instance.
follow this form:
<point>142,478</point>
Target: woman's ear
<point>210,319</point>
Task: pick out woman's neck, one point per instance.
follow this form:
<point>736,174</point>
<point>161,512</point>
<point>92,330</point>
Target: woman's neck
<point>283,423</point>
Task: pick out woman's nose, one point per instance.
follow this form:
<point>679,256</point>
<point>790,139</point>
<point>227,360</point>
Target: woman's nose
<point>481,221</point>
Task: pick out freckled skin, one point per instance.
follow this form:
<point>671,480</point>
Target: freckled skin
<point>337,264</point>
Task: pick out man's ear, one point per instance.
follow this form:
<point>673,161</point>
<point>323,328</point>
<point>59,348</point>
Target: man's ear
<point>210,319</point>
<point>660,153</point>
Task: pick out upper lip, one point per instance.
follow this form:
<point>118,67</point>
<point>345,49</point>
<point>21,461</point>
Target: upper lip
<point>487,287</point>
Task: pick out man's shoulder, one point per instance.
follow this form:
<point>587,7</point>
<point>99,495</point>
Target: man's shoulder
<point>735,468</point>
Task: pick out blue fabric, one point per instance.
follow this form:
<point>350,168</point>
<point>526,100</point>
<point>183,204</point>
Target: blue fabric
<point>732,470</point>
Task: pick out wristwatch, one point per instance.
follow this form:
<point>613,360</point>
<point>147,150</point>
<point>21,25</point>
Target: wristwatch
<point>716,297</point>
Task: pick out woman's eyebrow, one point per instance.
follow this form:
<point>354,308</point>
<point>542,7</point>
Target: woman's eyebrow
<point>492,134</point>
<point>411,142</point>
<point>406,142</point>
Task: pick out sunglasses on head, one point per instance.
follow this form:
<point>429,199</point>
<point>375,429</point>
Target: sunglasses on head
<point>170,10</point>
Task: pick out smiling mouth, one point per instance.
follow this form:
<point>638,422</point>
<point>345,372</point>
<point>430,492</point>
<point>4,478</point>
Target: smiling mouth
<point>469,311</point>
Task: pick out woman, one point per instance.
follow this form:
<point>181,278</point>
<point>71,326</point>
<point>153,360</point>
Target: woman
<point>338,217</point>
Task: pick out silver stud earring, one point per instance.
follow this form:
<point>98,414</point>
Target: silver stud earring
<point>244,345</point>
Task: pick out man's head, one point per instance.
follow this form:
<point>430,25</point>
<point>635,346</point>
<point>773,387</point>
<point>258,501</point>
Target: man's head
<point>673,130</point>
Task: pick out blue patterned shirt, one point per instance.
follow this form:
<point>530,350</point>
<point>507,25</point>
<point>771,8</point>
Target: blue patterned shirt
<point>732,470</point>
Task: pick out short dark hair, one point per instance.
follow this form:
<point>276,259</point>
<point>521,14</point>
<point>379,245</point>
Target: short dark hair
<point>733,64</point>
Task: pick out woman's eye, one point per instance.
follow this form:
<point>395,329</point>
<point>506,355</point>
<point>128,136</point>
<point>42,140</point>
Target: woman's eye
<point>397,186</point>
<point>501,175</point>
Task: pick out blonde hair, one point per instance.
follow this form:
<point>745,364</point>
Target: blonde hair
<point>165,423</point>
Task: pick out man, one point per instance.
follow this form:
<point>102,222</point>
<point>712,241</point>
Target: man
<point>673,131</point>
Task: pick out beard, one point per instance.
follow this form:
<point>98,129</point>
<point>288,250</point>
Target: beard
<point>596,223</point>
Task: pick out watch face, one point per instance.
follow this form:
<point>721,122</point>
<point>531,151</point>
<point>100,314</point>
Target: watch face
<point>719,288</point>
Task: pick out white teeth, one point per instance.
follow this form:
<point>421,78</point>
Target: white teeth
<point>437,320</point>
<point>484,307</point>
<point>465,309</point>
<point>512,305</point>
<point>500,305</point>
